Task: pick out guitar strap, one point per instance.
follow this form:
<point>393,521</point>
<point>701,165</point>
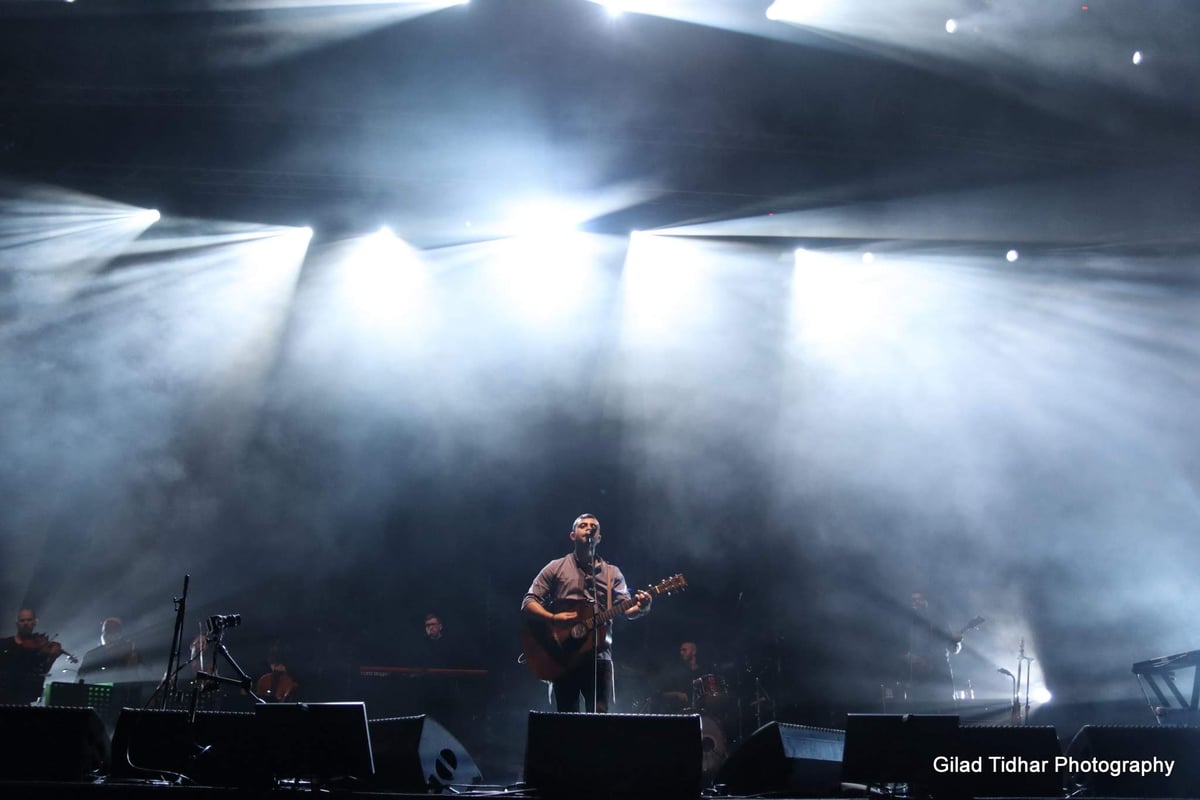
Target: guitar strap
<point>608,591</point>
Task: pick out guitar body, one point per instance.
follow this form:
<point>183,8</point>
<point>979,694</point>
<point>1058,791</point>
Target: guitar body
<point>551,651</point>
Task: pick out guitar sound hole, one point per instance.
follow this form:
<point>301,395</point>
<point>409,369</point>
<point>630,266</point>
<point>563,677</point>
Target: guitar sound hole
<point>578,630</point>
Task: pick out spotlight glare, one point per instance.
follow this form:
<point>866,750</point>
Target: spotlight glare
<point>1012,255</point>
<point>613,8</point>
<point>868,257</point>
<point>1041,695</point>
<point>951,25</point>
<point>799,11</point>
<point>1137,56</point>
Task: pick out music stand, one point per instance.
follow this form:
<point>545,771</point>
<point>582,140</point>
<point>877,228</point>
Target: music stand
<point>1160,680</point>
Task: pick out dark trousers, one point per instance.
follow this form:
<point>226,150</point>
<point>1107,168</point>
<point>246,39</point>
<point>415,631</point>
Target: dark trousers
<point>578,682</point>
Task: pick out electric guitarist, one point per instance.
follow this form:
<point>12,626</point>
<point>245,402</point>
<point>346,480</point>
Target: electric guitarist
<point>562,597</point>
<point>931,645</point>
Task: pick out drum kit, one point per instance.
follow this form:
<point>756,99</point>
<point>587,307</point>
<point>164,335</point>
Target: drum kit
<point>723,713</point>
<point>712,701</point>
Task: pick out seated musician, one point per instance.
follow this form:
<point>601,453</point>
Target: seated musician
<point>25,661</point>
<point>677,687</point>
<point>554,598</point>
<point>277,685</point>
<point>116,659</point>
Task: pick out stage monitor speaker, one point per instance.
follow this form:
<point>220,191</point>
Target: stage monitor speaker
<point>222,748</point>
<point>613,755</point>
<point>52,744</point>
<point>1011,762</point>
<point>778,757</point>
<point>319,742</point>
<point>417,754</point>
<point>895,748</point>
<point>1117,745</point>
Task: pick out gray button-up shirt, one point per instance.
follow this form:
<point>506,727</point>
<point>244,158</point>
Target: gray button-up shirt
<point>563,583</point>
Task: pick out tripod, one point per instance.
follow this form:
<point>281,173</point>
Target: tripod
<point>215,628</point>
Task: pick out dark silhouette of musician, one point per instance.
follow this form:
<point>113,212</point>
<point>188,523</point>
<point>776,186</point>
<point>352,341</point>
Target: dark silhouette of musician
<point>926,662</point>
<point>677,687</point>
<point>116,659</point>
<point>25,660</point>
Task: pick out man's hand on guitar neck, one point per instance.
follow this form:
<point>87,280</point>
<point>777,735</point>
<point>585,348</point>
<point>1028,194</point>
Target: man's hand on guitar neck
<point>641,604</point>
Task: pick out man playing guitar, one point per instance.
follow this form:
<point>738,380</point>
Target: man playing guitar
<point>563,596</point>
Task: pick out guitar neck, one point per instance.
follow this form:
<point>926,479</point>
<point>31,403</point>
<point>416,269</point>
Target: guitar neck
<point>604,617</point>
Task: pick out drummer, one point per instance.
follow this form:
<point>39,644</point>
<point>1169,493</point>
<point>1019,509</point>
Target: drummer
<point>678,691</point>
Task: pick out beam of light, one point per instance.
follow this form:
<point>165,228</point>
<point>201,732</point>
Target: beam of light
<point>797,11</point>
<point>614,8</point>
<point>163,359</point>
<point>543,278</point>
<point>665,287</point>
<point>53,241</point>
<point>382,284</point>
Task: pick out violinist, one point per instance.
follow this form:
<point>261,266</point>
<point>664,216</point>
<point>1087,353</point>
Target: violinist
<point>25,661</point>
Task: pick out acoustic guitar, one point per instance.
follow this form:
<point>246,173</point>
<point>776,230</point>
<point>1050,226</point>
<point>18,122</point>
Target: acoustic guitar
<point>553,650</point>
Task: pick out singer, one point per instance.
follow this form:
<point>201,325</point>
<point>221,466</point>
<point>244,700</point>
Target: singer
<point>563,593</point>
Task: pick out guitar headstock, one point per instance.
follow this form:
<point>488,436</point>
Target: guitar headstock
<point>675,583</point>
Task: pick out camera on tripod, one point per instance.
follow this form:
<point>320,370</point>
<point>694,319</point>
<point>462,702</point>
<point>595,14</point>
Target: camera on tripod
<point>219,622</point>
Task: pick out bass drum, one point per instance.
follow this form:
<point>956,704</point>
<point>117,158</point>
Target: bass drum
<point>712,747</point>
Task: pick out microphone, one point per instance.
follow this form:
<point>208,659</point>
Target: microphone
<point>1003,671</point>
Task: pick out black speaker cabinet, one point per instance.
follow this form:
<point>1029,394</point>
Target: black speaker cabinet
<point>321,742</point>
<point>222,748</point>
<point>895,748</point>
<point>1011,762</point>
<point>417,754</point>
<point>1151,748</point>
<point>51,744</point>
<point>613,755</point>
<point>778,757</point>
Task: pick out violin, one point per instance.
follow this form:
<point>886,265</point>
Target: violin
<point>47,647</point>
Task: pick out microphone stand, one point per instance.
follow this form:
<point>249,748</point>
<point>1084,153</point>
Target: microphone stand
<point>170,677</point>
<point>1028,672</point>
<point>1015,709</point>
<point>1023,662</point>
<point>595,628</point>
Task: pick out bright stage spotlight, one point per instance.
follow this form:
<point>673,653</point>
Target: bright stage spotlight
<point>799,11</point>
<point>951,25</point>
<point>1011,256</point>
<point>868,257</point>
<point>837,298</point>
<point>382,280</point>
<point>1137,57</point>
<point>543,277</point>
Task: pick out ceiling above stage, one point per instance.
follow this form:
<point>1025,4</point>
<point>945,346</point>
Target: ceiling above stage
<point>446,122</point>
